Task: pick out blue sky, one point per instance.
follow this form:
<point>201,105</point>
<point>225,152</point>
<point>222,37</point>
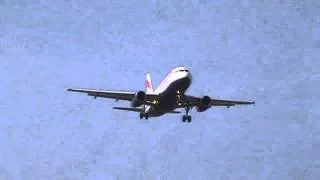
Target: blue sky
<point>266,51</point>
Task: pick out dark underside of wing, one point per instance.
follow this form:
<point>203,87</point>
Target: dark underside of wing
<point>121,95</point>
<point>219,102</point>
<point>207,101</point>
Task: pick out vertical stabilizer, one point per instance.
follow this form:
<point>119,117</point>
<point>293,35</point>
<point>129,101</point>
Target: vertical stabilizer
<point>148,85</point>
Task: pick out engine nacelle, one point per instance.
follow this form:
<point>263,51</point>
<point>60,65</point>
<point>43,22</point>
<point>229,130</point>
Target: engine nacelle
<point>204,104</point>
<point>138,99</point>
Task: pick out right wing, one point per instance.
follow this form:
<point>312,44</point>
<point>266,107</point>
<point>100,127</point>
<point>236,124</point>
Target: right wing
<point>195,101</point>
<point>117,95</point>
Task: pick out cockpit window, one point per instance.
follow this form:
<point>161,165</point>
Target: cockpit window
<point>181,70</point>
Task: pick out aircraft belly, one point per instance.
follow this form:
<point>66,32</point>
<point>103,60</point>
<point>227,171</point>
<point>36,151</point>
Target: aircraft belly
<point>155,113</point>
<point>168,99</point>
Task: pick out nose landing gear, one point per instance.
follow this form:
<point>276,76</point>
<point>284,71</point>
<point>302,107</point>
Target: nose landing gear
<point>180,100</point>
<point>144,115</point>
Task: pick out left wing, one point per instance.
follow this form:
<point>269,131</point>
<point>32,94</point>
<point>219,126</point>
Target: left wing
<point>117,95</point>
<point>196,101</point>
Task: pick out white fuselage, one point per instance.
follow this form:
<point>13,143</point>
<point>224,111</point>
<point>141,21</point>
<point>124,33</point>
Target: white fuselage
<point>176,82</point>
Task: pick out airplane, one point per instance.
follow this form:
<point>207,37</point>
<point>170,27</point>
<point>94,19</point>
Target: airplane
<point>166,98</point>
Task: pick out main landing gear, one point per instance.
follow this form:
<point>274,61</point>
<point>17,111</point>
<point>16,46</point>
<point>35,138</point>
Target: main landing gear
<point>187,118</point>
<point>144,115</point>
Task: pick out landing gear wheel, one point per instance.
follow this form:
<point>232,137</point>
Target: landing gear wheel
<point>145,116</point>
<point>189,119</point>
<point>186,118</point>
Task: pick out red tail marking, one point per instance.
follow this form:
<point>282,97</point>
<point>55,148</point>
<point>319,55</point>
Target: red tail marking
<point>148,84</point>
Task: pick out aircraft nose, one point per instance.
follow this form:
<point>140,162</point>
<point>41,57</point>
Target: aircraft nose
<point>188,75</point>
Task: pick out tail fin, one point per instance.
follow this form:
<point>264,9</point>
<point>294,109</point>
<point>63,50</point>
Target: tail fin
<point>148,83</point>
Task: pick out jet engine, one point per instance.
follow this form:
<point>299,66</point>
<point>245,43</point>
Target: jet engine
<point>204,104</point>
<point>138,99</point>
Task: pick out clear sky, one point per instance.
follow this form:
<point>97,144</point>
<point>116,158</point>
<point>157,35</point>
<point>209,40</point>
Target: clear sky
<point>267,51</point>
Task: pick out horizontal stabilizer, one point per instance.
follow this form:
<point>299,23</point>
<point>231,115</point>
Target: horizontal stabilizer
<point>129,109</point>
<point>175,112</point>
<point>140,110</point>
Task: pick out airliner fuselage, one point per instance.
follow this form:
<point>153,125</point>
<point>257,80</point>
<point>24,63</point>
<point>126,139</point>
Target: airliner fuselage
<point>170,90</point>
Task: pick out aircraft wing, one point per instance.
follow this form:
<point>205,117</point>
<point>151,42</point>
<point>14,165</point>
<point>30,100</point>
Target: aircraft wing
<point>196,101</point>
<point>117,95</point>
